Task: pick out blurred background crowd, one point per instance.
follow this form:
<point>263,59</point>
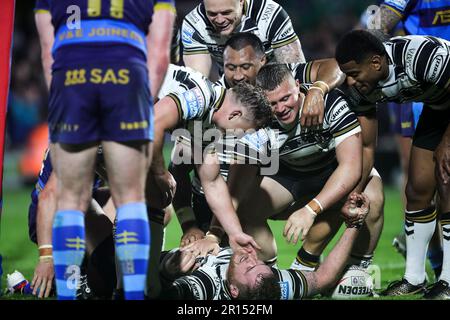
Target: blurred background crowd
<point>318,23</point>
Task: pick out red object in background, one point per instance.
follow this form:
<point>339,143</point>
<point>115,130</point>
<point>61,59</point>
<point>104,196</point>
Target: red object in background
<point>31,160</point>
<point>6,31</point>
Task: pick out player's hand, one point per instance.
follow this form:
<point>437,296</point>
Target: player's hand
<point>181,263</point>
<point>190,235</point>
<point>298,225</point>
<point>313,109</point>
<point>201,248</point>
<point>355,209</point>
<point>43,278</point>
<point>167,186</point>
<point>442,158</point>
<point>243,241</point>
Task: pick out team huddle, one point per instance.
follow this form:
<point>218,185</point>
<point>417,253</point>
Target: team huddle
<point>259,134</point>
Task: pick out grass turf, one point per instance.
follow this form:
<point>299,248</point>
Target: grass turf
<point>20,254</point>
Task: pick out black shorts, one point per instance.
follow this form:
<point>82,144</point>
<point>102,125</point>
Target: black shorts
<point>202,212</point>
<point>303,184</point>
<point>431,127</point>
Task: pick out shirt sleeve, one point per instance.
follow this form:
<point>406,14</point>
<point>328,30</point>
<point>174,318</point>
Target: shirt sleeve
<point>281,31</point>
<point>431,63</point>
<point>165,5</point>
<point>42,6</point>
<point>400,7</point>
<point>191,39</point>
<point>342,121</point>
<point>293,284</point>
<point>302,71</point>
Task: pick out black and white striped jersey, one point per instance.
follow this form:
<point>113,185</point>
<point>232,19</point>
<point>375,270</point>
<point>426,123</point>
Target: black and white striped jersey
<point>301,149</point>
<point>196,97</point>
<point>209,282</point>
<point>419,70</point>
<point>264,18</point>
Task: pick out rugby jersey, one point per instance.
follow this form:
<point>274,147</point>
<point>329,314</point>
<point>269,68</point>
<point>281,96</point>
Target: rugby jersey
<point>195,96</point>
<point>419,71</point>
<point>423,17</point>
<point>209,282</point>
<point>299,149</point>
<point>264,18</point>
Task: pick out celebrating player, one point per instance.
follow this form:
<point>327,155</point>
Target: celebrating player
<point>206,29</point>
<point>403,69</point>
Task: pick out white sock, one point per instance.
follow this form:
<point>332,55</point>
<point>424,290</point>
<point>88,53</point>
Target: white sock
<point>419,228</point>
<point>445,222</point>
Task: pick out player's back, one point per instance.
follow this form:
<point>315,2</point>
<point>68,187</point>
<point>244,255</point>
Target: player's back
<point>99,30</point>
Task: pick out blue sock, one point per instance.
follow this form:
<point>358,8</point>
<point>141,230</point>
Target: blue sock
<point>133,247</point>
<point>68,251</point>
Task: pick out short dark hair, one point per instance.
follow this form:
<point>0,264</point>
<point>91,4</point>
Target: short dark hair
<point>240,40</point>
<point>357,45</point>
<point>255,102</point>
<point>271,76</point>
<point>267,288</point>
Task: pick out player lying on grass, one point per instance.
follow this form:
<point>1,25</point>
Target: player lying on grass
<point>224,274</point>
<point>404,69</point>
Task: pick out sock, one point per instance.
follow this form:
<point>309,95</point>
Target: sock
<point>305,261</point>
<point>363,261</point>
<point>445,223</point>
<point>156,217</point>
<point>435,256</point>
<point>68,251</point>
<point>419,228</point>
<point>132,248</point>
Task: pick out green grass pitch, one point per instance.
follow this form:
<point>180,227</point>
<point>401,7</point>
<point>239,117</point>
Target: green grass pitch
<point>20,254</point>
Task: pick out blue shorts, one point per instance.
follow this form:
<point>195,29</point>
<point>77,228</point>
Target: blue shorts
<point>404,117</point>
<point>100,102</point>
<point>32,217</point>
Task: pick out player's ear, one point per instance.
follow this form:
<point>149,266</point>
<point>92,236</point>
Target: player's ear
<point>263,60</point>
<point>376,62</point>
<point>235,114</point>
<point>234,291</point>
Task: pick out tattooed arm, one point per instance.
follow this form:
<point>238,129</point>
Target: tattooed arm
<point>290,53</point>
<point>388,19</point>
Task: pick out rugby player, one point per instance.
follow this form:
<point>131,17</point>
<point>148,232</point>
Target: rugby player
<point>103,96</point>
<point>226,275</point>
<point>206,29</point>
<point>243,58</point>
<point>404,69</point>
<point>194,100</point>
<point>408,15</point>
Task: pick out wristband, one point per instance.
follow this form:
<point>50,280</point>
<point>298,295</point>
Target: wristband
<point>319,83</point>
<point>45,250</point>
<point>311,210</point>
<point>319,88</point>
<point>46,258</point>
<point>185,214</point>
<point>315,206</point>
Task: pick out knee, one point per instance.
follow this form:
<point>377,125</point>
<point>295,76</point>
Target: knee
<point>418,193</point>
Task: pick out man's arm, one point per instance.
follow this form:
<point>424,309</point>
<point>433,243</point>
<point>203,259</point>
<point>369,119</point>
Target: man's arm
<point>219,201</point>
<point>341,182</point>
<point>200,62</point>
<point>182,201</point>
<point>45,30</point>
<point>158,43</point>
<point>369,131</point>
<point>290,53</point>
<point>331,269</point>
<point>44,271</point>
<point>325,75</point>
<point>388,18</point>
<point>166,118</point>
